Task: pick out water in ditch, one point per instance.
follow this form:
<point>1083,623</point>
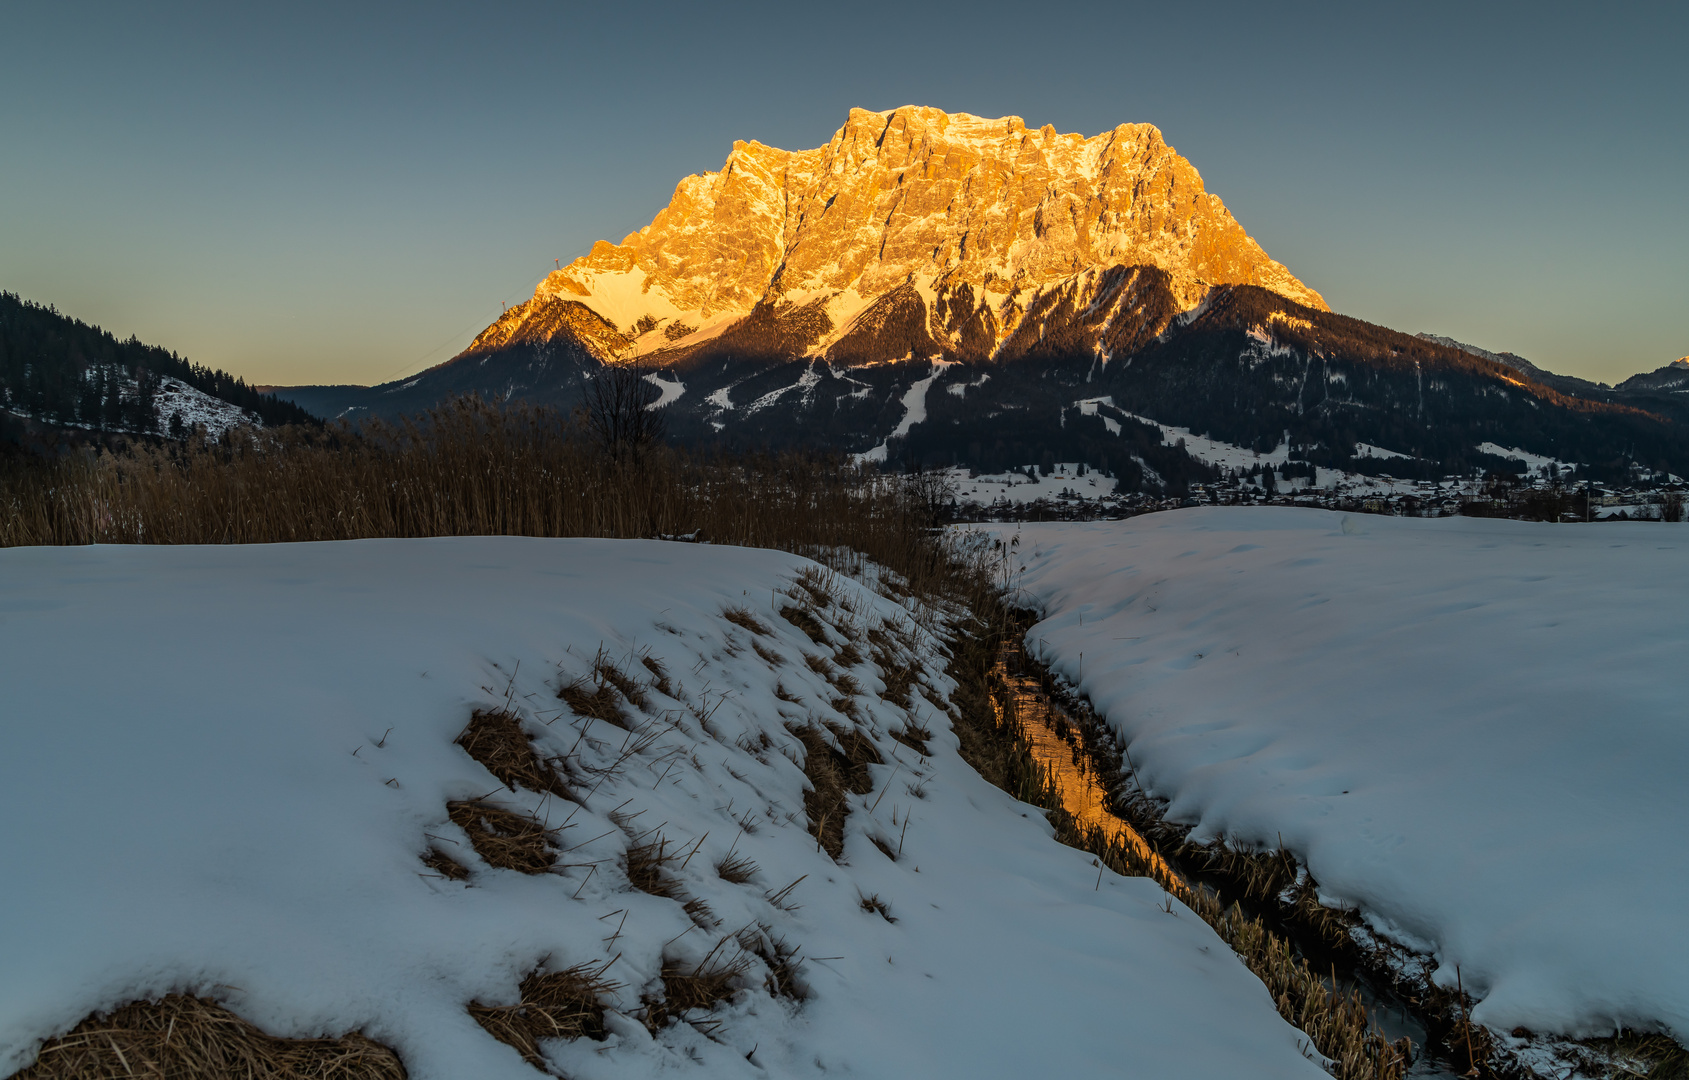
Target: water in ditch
<point>1058,743</point>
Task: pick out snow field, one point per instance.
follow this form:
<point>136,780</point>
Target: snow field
<point>1471,730</point>
<point>988,488</point>
<point>231,761</point>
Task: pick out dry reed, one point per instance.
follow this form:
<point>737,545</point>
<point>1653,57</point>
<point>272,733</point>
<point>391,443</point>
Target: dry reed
<point>180,1037</point>
<point>504,838</point>
<point>560,1005</point>
<point>495,738</point>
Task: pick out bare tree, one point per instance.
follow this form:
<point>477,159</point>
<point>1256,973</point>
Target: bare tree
<point>619,410</point>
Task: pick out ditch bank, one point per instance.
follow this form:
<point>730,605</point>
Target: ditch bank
<point>1369,1006</point>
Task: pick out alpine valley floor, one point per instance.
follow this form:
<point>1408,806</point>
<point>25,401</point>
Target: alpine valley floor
<point>1472,731</point>
<point>225,766</point>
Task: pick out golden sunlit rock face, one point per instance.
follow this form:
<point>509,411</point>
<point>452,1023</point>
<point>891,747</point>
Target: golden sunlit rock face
<point>912,233</point>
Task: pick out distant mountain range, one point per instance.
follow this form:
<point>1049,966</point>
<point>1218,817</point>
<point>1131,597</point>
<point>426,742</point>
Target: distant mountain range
<point>933,289</point>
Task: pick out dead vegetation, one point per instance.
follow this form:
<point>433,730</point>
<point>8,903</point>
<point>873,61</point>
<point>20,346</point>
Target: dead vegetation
<point>833,771</point>
<point>659,675</point>
<point>878,907</point>
<point>444,865</point>
<point>779,956</point>
<point>689,988</point>
<point>504,838</point>
<point>737,869</point>
<point>805,621</point>
<point>560,1005</point>
<point>740,616</point>
<point>914,736</point>
<point>495,738</point>
<point>647,868</point>
<point>180,1037</point>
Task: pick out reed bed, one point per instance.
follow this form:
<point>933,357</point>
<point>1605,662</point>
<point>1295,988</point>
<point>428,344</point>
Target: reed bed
<point>466,469</point>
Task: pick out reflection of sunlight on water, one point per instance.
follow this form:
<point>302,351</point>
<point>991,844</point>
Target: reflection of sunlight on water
<point>1059,746</point>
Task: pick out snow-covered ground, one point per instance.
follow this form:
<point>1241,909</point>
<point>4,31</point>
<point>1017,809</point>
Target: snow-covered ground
<point>1063,482</point>
<point>1475,730</point>
<point>1213,451</point>
<point>222,766</point>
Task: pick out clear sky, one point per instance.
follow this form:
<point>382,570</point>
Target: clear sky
<point>347,193</point>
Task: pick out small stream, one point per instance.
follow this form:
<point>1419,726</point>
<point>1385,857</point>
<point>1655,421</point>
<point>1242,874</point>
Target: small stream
<point>1059,744</point>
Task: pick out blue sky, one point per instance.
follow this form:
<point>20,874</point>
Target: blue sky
<point>341,193</point>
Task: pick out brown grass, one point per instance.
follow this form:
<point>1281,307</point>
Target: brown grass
<point>495,738</point>
<point>504,838</point>
<point>609,672</point>
<point>647,868</point>
<point>691,987</point>
<point>560,1005</point>
<point>736,868</point>
<point>183,1037</point>
<point>467,469</point>
<point>805,621</point>
<point>740,616</point>
<point>914,736</point>
<point>659,675</point>
<point>781,958</point>
<point>589,696</point>
<point>832,772</point>
<point>444,865</point>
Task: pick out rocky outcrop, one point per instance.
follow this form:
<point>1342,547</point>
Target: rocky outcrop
<point>912,233</point>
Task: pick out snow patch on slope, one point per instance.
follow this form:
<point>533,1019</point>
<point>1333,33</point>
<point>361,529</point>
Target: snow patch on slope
<point>267,751</point>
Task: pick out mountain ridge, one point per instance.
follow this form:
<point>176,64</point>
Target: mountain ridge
<point>940,289</point>
<point>977,218</point>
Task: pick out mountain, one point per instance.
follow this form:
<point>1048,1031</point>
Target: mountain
<point>1673,378</point>
<point>62,373</point>
<point>936,288</point>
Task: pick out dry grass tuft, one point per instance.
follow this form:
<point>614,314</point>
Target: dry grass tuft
<point>506,839</point>
<point>647,868</point>
<point>608,671</point>
<point>877,906</point>
<point>701,986</point>
<point>495,738</point>
<point>769,656</point>
<point>848,656</point>
<point>806,622</point>
<point>180,1036</point>
<point>900,678</point>
<point>832,773</point>
<point>819,664</point>
<point>740,616</point>
<point>914,736</point>
<point>444,865</point>
<point>700,914</point>
<point>780,957</point>
<point>659,675</point>
<point>594,698</point>
<point>560,1005</point>
<point>820,589</point>
<point>784,694</point>
<point>737,869</point>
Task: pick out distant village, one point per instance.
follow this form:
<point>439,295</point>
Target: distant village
<point>1071,492</point>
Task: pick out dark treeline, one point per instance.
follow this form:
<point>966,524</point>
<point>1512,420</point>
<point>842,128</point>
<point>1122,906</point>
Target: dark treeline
<point>61,370</point>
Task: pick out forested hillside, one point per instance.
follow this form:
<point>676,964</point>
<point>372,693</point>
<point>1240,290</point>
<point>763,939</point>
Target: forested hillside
<point>61,370</point>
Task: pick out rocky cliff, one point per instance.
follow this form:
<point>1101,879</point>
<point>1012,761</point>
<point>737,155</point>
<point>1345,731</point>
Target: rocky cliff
<point>913,233</point>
